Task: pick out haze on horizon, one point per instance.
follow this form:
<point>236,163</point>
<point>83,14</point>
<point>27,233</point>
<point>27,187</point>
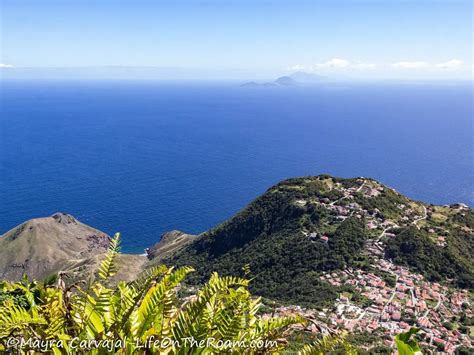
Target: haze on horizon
<point>350,39</point>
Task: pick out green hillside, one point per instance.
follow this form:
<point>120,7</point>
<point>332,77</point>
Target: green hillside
<point>279,237</point>
<point>418,249</point>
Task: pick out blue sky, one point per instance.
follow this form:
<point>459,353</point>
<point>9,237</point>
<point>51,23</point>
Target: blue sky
<point>346,38</point>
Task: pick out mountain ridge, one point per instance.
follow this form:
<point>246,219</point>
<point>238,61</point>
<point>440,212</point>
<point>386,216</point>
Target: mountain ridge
<point>303,227</point>
<point>298,229</point>
<point>346,254</point>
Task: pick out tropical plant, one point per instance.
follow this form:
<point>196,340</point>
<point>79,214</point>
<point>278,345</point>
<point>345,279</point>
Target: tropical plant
<point>144,316</point>
<point>23,293</point>
<point>406,344</point>
<point>328,344</point>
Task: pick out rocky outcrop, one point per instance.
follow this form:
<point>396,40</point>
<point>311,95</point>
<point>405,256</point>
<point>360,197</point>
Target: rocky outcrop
<point>170,242</point>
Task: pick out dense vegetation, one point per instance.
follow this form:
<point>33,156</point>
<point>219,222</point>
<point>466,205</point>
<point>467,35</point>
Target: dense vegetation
<point>386,203</point>
<point>268,236</point>
<point>272,237</point>
<point>139,317</point>
<point>415,248</point>
<point>147,316</point>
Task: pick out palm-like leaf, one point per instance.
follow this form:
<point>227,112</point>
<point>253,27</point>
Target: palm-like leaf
<point>108,268</point>
<point>156,306</point>
<point>327,344</point>
<point>17,320</point>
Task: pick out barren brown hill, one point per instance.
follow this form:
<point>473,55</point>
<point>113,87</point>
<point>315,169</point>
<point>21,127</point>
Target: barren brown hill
<point>43,246</point>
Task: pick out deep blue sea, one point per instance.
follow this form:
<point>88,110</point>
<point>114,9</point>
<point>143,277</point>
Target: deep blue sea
<point>147,157</point>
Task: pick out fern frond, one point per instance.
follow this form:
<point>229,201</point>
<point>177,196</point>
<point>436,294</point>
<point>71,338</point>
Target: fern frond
<point>267,328</point>
<point>327,344</point>
<point>17,319</point>
<point>196,317</point>
<point>149,275</point>
<point>158,301</point>
<point>107,267</point>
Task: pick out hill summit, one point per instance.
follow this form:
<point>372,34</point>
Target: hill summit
<point>304,227</point>
<point>42,247</point>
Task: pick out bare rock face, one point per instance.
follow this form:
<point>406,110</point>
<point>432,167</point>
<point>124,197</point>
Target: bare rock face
<point>169,243</point>
<point>41,247</point>
<point>64,218</point>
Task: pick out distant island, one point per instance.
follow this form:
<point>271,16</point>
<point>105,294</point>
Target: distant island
<point>346,253</point>
<point>295,79</point>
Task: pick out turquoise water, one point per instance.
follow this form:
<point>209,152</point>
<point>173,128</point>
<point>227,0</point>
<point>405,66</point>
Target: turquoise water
<point>146,157</point>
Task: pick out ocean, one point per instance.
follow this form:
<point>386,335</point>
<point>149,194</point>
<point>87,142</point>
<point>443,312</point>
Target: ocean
<point>146,157</point>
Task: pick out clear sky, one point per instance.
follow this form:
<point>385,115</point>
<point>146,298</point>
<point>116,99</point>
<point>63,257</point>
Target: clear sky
<point>246,38</point>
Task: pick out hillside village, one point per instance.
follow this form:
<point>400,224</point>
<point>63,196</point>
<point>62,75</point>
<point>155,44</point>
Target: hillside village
<point>395,298</point>
<point>292,236</point>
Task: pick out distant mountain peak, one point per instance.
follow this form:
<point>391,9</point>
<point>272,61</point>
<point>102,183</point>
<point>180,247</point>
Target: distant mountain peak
<point>294,79</point>
<point>286,81</point>
<point>304,77</point>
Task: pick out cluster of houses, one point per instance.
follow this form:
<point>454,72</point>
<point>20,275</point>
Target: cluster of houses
<point>395,299</point>
<point>411,302</point>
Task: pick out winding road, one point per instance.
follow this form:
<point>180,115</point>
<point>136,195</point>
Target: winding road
<point>425,213</point>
